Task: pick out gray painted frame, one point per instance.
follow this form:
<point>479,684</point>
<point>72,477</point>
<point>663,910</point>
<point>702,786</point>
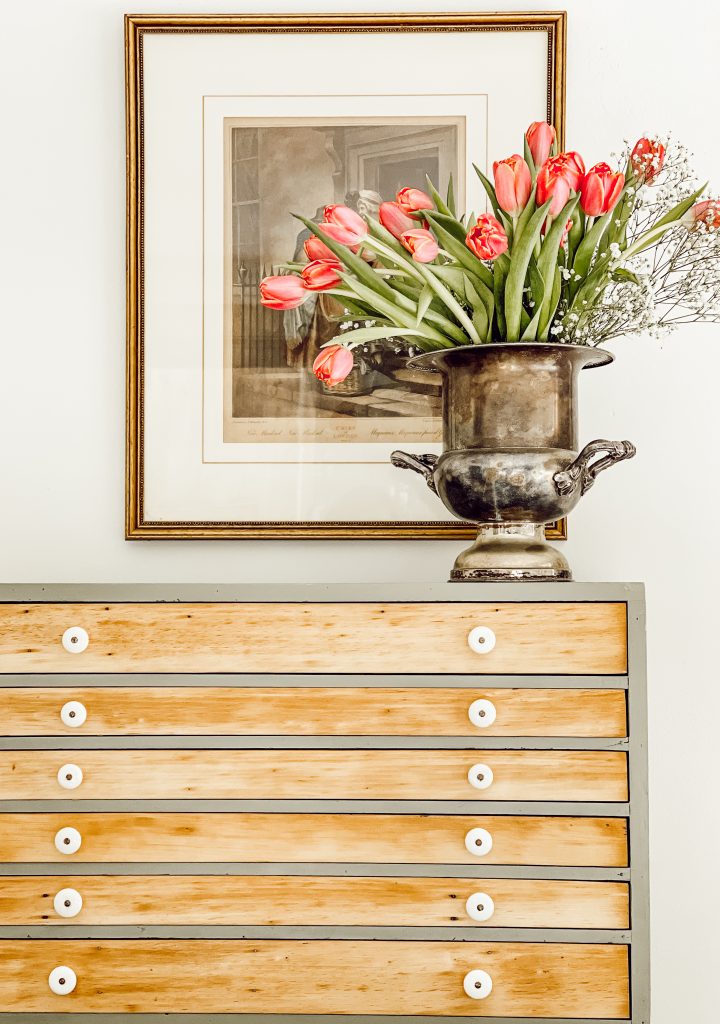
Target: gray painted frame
<point>637,808</point>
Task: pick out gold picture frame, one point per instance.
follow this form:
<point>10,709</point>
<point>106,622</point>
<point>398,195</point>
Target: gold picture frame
<point>137,27</point>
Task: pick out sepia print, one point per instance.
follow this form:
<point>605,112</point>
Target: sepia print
<point>276,167</point>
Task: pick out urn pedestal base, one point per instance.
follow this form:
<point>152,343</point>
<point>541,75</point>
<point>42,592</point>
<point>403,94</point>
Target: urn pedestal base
<point>511,551</point>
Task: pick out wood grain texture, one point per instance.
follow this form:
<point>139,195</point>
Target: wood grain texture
<point>274,976</point>
<point>557,638</point>
<point>314,838</point>
<point>313,900</point>
<point>583,775</point>
<point>311,711</point>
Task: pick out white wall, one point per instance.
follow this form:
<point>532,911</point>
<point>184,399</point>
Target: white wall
<point>633,66</point>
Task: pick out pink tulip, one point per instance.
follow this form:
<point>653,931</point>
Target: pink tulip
<point>540,137</point>
<point>284,292</point>
<point>513,184</point>
<point>552,183</point>
<point>321,274</point>
<point>647,159</point>
<point>705,213</point>
<point>421,244</point>
<point>346,225</point>
<point>487,239</point>
<point>333,364</point>
<point>410,200</point>
<point>600,189</point>
<point>394,220</point>
<point>315,249</point>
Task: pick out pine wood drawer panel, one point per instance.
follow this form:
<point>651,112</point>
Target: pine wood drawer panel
<point>314,900</point>
<point>583,775</point>
<point>558,638</point>
<point>315,838</point>
<point>312,711</point>
<point>273,976</point>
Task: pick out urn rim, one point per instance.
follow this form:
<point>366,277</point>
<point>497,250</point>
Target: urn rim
<point>438,360</point>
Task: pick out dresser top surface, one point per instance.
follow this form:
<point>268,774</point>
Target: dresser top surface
<point>407,591</point>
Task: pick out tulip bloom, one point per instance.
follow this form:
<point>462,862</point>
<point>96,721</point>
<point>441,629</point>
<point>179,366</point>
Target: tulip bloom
<point>540,138</point>
<point>647,159</point>
<point>513,184</point>
<point>283,292</point>
<point>552,183</point>
<point>333,364</point>
<point>705,213</point>
<point>487,239</point>
<point>394,220</point>
<point>315,249</point>
<point>321,274</point>
<point>421,244</point>
<point>410,200</point>
<point>600,189</point>
<point>344,225</point>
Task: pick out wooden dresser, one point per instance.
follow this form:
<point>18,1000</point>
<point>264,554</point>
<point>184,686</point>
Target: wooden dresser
<point>407,801</point>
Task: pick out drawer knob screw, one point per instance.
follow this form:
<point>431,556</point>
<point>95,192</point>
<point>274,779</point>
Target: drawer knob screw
<point>62,981</point>
<point>481,639</point>
<point>477,984</point>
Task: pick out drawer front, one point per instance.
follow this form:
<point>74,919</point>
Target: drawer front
<point>315,900</point>
<point>311,711</point>
<point>584,775</point>
<point>311,838</point>
<point>389,978</point>
<point>556,638</point>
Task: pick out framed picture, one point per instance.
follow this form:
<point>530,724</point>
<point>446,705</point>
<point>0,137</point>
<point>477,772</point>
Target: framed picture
<point>234,123</point>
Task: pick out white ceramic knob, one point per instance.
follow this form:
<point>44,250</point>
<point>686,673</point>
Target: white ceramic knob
<point>481,640</point>
<point>73,714</point>
<point>75,640</point>
<point>482,713</point>
<point>62,981</point>
<point>480,906</point>
<point>68,903</point>
<point>477,984</point>
<point>478,842</point>
<point>68,840</point>
<point>70,776</point>
<point>480,776</point>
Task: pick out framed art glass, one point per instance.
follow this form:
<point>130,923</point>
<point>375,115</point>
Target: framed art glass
<point>234,123</point>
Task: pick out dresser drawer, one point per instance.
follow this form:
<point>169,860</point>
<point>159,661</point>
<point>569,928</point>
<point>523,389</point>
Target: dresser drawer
<point>551,637</point>
<point>311,711</point>
<point>589,775</point>
<point>311,838</point>
<point>276,976</point>
<point>311,900</point>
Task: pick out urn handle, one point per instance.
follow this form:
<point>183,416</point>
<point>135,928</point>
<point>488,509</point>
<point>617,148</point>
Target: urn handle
<point>423,464</point>
<point>584,471</point>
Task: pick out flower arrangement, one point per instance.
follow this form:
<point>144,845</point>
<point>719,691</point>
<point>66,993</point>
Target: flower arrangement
<point>567,255</point>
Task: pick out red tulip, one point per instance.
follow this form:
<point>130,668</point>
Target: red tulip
<point>333,364</point>
<point>600,189</point>
<point>574,168</point>
<point>705,213</point>
<point>647,159</point>
<point>315,249</point>
<point>540,137</point>
<point>513,183</point>
<point>410,200</point>
<point>346,226</point>
<point>394,220</point>
<point>321,274</point>
<point>552,183</point>
<point>421,244</point>
<point>487,239</point>
<point>284,292</point>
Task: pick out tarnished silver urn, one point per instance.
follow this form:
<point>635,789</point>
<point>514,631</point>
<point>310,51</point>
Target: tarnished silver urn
<point>510,459</point>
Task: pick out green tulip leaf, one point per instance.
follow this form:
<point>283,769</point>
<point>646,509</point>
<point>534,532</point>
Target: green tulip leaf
<point>518,269</point>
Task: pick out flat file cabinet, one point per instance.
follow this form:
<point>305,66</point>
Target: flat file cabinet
<point>420,802</point>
